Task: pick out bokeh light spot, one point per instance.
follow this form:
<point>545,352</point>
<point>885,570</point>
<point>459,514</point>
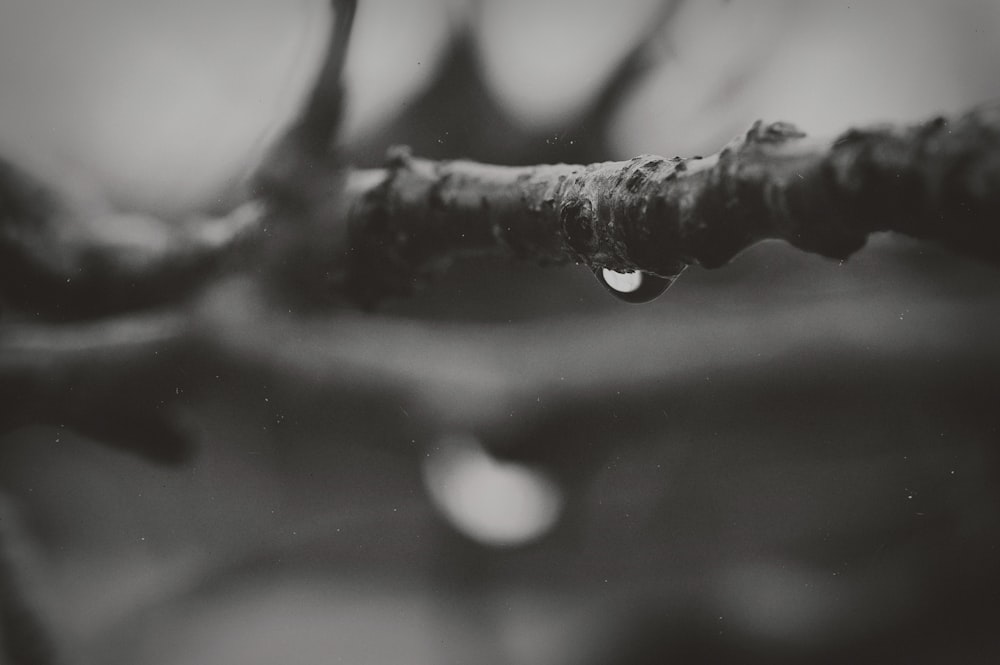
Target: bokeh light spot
<point>492,502</point>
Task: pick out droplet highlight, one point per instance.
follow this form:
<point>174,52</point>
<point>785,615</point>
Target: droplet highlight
<point>621,282</point>
<point>636,286</point>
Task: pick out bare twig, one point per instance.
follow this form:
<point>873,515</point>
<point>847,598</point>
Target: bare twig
<point>320,119</point>
<point>939,181</point>
<point>300,179</point>
<point>458,114</point>
<point>60,262</point>
<point>593,124</point>
<point>308,140</point>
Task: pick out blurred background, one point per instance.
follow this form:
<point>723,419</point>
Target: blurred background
<point>784,460</point>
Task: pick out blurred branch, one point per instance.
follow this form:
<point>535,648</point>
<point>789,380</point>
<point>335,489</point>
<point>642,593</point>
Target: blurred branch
<point>458,114</point>
<point>939,181</point>
<point>300,179</point>
<point>308,140</point>
<point>118,381</point>
<point>393,226</point>
<point>122,381</point>
<point>320,119</point>
<point>59,261</point>
<point>650,49</point>
<point>24,635</point>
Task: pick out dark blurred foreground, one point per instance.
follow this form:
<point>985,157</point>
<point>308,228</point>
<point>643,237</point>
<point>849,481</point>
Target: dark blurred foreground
<point>814,481</point>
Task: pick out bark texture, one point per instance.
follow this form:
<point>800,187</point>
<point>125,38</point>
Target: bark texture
<point>938,180</point>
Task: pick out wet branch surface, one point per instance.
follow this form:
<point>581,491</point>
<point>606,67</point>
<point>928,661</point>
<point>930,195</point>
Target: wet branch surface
<point>938,181</point>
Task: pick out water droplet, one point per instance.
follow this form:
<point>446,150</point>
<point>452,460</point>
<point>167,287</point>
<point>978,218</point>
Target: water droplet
<point>634,287</point>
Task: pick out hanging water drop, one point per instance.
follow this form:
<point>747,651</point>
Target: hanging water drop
<point>634,287</point>
<point>621,282</point>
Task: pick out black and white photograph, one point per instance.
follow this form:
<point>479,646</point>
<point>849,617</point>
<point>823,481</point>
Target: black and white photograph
<point>499,332</point>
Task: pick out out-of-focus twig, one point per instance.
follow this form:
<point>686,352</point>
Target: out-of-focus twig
<point>61,262</point>
<point>458,113</point>
<point>118,381</point>
<point>300,179</point>
<point>939,181</point>
<point>122,380</point>
<point>308,139</point>
<point>592,126</point>
<point>24,635</point>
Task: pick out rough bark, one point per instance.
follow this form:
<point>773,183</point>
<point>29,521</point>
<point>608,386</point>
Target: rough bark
<point>938,180</point>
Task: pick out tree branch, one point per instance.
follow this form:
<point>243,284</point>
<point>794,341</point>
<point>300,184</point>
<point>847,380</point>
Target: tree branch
<point>392,227</point>
<point>118,381</point>
<point>62,262</point>
<point>939,181</point>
